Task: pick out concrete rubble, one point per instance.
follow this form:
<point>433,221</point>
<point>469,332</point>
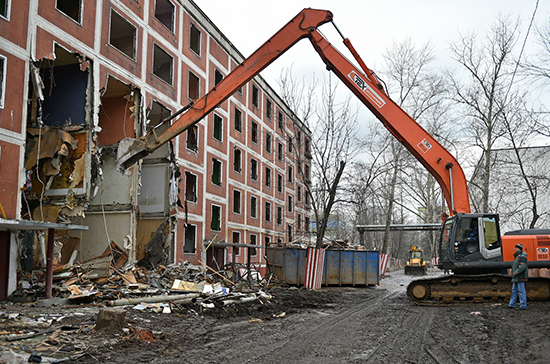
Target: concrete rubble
<point>94,296</point>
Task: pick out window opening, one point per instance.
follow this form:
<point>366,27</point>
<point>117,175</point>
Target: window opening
<point>237,201</point>
<point>253,207</point>
<point>238,120</point>
<point>237,156</point>
<point>3,63</point>
<point>194,86</point>
<point>192,138</point>
<point>218,77</point>
<point>164,12</point>
<point>253,241</point>
<point>255,97</point>
<point>268,142</point>
<point>71,8</point>
<point>254,169</point>
<point>268,109</point>
<point>189,246</point>
<point>289,198</point>
<point>122,35</point>
<point>279,215</point>
<point>4,8</point>
<point>280,120</point>
<point>216,172</point>
<point>279,151</point>
<point>216,224</point>
<point>236,240</point>
<point>268,176</point>
<point>162,64</point>
<point>290,173</point>
<point>190,187</point>
<point>254,135</point>
<point>195,39</point>
<point>289,233</point>
<point>267,211</point>
<point>218,126</point>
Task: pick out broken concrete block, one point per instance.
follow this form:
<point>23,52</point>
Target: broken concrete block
<point>110,319</point>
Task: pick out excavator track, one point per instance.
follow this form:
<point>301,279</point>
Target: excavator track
<point>463,289</point>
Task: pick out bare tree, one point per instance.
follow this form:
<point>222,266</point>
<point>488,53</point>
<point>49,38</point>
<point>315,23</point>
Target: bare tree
<point>334,126</point>
<point>488,65</point>
<point>421,92</point>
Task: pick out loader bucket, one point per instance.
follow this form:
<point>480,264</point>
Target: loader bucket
<point>129,151</point>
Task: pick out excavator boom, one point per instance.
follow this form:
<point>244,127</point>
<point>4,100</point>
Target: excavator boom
<point>436,159</point>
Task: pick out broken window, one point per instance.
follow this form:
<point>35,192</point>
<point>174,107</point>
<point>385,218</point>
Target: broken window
<point>268,142</point>
<point>255,97</point>
<point>193,138</point>
<point>237,157</point>
<point>237,201</point>
<point>162,64</point>
<point>306,223</point>
<point>238,119</point>
<point>254,133</point>
<point>279,215</point>
<point>218,126</point>
<point>279,183</point>
<point>253,207</point>
<point>268,176</point>
<point>267,211</point>
<point>307,172</point>
<point>299,193</point>
<point>194,86</point>
<point>299,138</point>
<point>3,63</point>
<point>189,245</point>
<point>218,77</point>
<point>195,39</point>
<point>216,172</point>
<point>122,35</point>
<point>164,12</point>
<point>236,240</point>
<point>290,174</point>
<point>307,198</point>
<point>253,241</point>
<point>216,223</point>
<point>280,120</point>
<point>279,151</point>
<point>289,204</point>
<point>268,109</point>
<point>254,169</point>
<point>190,187</point>
<point>4,8</point>
<point>299,222</point>
<point>71,8</point>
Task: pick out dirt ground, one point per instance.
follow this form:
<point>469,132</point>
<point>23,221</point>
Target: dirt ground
<point>330,325</point>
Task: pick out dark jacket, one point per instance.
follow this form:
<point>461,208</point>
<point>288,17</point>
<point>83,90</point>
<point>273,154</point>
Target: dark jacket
<point>519,267</point>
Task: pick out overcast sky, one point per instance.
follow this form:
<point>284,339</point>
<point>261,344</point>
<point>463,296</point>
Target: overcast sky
<point>371,25</point>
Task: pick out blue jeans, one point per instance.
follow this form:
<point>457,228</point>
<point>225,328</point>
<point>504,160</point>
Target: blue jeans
<point>518,288</point>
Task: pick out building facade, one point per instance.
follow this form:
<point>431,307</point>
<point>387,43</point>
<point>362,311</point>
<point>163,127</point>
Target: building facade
<point>79,76</point>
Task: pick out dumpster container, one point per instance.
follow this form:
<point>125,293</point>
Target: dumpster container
<point>342,267</point>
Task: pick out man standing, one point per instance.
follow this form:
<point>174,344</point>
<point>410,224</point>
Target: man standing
<point>519,277</point>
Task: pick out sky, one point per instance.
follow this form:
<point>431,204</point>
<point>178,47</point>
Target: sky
<point>371,25</point>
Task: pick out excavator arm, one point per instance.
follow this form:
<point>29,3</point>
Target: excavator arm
<point>364,84</point>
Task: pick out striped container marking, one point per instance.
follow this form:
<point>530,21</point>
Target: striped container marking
<point>314,268</point>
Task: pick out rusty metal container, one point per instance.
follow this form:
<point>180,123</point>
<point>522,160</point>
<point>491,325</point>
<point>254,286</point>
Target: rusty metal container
<point>342,267</point>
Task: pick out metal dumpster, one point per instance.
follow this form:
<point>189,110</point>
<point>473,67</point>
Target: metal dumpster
<point>342,267</point>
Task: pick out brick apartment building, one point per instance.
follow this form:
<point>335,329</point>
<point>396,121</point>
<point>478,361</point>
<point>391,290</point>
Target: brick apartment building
<point>76,77</point>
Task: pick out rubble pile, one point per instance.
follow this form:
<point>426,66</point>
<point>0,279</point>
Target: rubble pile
<point>93,297</point>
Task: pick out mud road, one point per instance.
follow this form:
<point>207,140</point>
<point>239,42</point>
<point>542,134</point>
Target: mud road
<point>331,325</point>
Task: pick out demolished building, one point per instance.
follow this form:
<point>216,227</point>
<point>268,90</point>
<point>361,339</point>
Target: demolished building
<point>77,77</point>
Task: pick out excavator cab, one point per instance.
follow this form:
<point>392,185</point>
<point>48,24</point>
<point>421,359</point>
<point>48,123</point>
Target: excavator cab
<point>469,238</point>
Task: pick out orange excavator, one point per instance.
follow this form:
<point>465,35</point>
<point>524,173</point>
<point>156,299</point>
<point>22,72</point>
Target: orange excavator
<point>470,244</point>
